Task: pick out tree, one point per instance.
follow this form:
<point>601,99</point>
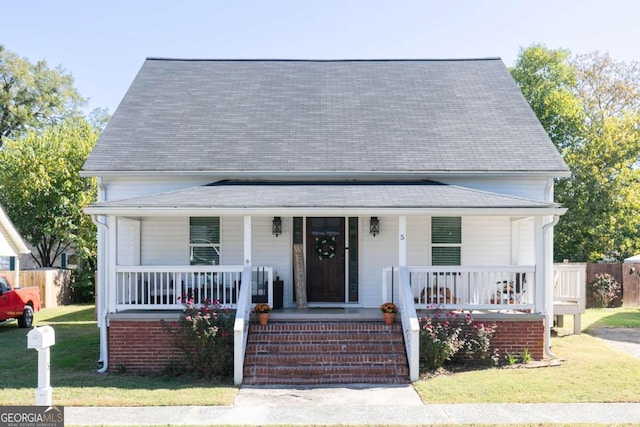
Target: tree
<point>32,95</point>
<point>41,187</point>
<point>590,106</point>
<point>548,80</point>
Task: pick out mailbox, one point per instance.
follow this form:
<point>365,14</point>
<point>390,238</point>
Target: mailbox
<point>41,337</point>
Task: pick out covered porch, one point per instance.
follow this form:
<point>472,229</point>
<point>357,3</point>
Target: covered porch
<point>502,248</point>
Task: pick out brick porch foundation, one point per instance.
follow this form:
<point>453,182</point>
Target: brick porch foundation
<point>516,336</point>
<point>141,343</point>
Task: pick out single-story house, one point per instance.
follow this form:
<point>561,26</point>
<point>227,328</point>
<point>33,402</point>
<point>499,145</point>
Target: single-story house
<point>323,185</point>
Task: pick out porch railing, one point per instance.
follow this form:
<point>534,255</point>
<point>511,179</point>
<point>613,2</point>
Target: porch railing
<point>241,328</point>
<point>569,282</point>
<point>569,293</point>
<point>461,287</point>
<point>169,287</point>
<point>410,325</point>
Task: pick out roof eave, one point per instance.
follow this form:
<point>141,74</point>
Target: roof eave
<point>288,174</point>
<point>136,211</point>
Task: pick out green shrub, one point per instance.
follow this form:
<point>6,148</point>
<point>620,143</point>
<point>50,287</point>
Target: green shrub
<point>82,287</point>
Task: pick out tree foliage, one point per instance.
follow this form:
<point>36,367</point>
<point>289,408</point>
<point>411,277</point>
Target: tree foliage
<point>32,95</point>
<point>590,106</point>
<point>40,186</point>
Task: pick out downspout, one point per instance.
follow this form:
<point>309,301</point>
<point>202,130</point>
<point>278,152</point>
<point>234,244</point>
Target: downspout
<point>104,353</point>
<point>548,290</point>
<point>104,344</point>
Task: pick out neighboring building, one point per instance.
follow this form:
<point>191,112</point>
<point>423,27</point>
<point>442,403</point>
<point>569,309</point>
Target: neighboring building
<point>363,180</point>
<point>12,247</point>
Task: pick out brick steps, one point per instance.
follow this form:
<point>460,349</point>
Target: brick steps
<point>325,353</point>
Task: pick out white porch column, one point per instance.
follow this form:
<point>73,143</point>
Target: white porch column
<point>247,241</point>
<point>402,241</point>
<point>539,245</point>
<point>111,281</point>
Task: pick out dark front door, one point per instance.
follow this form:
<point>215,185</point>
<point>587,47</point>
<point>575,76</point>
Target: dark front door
<point>325,259</point>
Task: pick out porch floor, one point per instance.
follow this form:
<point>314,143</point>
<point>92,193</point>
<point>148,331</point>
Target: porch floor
<point>326,314</point>
<point>359,314</point>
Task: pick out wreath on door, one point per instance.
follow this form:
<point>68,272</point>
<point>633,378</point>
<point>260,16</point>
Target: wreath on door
<point>326,247</point>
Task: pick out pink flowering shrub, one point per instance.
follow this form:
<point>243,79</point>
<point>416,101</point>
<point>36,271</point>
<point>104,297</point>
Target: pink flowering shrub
<point>204,335</point>
<point>604,288</point>
<point>445,336</point>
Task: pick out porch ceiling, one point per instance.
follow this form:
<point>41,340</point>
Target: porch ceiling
<point>346,197</point>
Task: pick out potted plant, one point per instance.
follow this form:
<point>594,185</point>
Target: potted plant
<point>389,311</point>
<point>262,309</point>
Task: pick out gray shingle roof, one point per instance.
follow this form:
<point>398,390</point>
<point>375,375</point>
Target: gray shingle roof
<point>354,116</point>
<point>248,195</point>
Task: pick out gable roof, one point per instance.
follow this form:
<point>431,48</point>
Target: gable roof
<point>352,116</point>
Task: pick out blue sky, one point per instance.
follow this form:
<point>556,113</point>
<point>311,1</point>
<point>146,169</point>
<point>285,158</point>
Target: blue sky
<point>103,44</point>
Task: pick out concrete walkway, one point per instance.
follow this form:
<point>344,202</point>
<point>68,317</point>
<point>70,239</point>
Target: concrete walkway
<point>352,405</point>
<point>624,339</point>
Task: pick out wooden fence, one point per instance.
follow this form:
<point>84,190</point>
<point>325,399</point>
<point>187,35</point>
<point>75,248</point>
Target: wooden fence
<point>52,282</point>
<point>628,275</point>
<point>631,285</point>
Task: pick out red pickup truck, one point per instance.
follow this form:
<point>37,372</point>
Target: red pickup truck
<point>18,303</point>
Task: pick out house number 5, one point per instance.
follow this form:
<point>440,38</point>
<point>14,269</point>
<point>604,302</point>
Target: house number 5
<point>402,237</point>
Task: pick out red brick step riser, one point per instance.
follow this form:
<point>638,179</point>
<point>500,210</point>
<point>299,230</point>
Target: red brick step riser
<point>321,381</point>
<point>292,327</point>
<point>326,360</point>
<point>358,348</point>
<point>272,372</point>
<point>325,353</point>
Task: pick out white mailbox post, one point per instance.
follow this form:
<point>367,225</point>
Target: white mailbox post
<point>41,338</point>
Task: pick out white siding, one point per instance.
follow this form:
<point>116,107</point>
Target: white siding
<point>526,254</point>
<point>232,240</point>
<point>486,241</point>
<point>375,254</point>
<point>269,250</point>
<point>418,238</point>
<point>128,242</point>
<point>165,241</point>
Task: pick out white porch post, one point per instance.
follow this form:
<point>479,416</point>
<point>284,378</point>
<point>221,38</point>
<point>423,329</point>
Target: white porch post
<point>111,281</point>
<point>402,241</point>
<point>544,298</point>
<point>540,265</point>
<point>247,241</point>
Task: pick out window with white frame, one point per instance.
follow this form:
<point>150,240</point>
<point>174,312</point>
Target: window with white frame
<point>204,240</point>
<point>446,240</point>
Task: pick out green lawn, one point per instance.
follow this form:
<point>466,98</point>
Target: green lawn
<point>610,318</point>
<point>590,372</point>
<point>74,378</point>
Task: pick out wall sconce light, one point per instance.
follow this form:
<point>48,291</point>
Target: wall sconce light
<point>374,226</point>
<point>276,228</point>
